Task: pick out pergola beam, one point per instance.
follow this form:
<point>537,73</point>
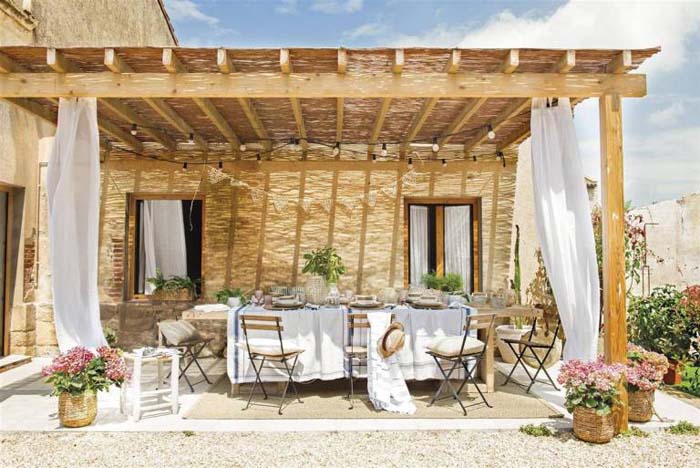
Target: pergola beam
<point>467,113</point>
<point>286,67</point>
<point>120,68</point>
<point>225,64</point>
<point>621,63</point>
<point>508,113</point>
<point>566,62</point>
<point>396,69</point>
<point>511,61</point>
<point>60,64</point>
<point>173,64</point>
<point>320,85</point>
<point>340,102</point>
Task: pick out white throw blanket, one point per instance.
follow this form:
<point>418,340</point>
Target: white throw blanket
<point>385,383</point>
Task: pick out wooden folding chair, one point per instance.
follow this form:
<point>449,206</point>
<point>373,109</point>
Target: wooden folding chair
<point>356,321</point>
<point>528,344</point>
<point>462,351</point>
<point>259,354</point>
<point>184,337</point>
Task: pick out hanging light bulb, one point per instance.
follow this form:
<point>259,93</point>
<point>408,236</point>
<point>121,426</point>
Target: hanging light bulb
<point>221,164</point>
<point>336,149</point>
<point>491,134</point>
<point>134,129</point>
<point>444,163</point>
<point>184,166</point>
<point>374,158</point>
<point>296,143</point>
<point>435,146</point>
<point>190,138</point>
<point>243,147</point>
<point>502,156</point>
<point>384,152</point>
<point>410,162</point>
<point>474,157</point>
<point>258,158</point>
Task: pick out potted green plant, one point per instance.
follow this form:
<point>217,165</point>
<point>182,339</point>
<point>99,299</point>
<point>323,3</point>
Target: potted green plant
<point>77,376</point>
<point>224,294</point>
<point>175,288</point>
<point>591,392</point>
<point>644,373</point>
<point>326,268</point>
<point>450,283</point>
<point>662,322</point>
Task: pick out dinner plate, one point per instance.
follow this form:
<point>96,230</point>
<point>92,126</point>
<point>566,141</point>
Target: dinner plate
<point>297,305</point>
<point>360,305</point>
<point>429,305</point>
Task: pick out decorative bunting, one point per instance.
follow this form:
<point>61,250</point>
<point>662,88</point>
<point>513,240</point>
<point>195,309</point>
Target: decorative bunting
<point>372,198</point>
<point>305,204</point>
<point>257,195</point>
<point>326,204</point>
<point>279,204</point>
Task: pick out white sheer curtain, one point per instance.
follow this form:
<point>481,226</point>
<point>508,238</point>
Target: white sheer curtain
<point>418,247</point>
<point>162,243</point>
<point>564,227</point>
<point>73,190</point>
<point>458,242</point>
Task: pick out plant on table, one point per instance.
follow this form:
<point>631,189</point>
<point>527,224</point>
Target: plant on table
<point>591,392</point>
<point>644,373</point>
<point>77,375</point>
<point>450,283</point>
<point>324,262</point>
<point>225,293</point>
<point>170,287</point>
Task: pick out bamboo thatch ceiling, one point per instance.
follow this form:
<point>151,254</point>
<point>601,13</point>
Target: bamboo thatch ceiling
<point>216,121</point>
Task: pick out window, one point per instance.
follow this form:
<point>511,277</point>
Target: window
<point>168,237</point>
<point>443,237</point>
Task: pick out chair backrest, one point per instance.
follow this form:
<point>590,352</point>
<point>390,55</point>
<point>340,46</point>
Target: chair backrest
<point>479,322</point>
<point>271,323</point>
<point>359,321</point>
<point>554,334</point>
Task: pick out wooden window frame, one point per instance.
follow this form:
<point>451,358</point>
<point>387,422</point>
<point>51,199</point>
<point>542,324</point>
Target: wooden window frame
<point>8,277</point>
<point>132,199</point>
<point>475,203</point>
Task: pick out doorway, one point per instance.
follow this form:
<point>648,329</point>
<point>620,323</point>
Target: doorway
<point>4,282</point>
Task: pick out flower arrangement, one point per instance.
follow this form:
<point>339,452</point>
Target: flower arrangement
<point>645,369</point>
<point>79,371</point>
<point>591,385</point>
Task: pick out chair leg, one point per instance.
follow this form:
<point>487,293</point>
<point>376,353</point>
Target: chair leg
<point>195,355</point>
<point>257,380</point>
<point>290,380</point>
<point>518,361</point>
<point>183,372</point>
<point>470,376</point>
<point>351,393</point>
<point>540,366</point>
<point>447,376</point>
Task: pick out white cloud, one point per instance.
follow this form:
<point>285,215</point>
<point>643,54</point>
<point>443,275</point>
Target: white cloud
<point>287,7</point>
<point>365,30</point>
<point>669,115</point>
<point>439,36</point>
<point>333,7</point>
<point>591,24</point>
<point>180,10</point>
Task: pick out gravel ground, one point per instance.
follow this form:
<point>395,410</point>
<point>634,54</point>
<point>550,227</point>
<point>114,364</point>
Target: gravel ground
<point>356,449</point>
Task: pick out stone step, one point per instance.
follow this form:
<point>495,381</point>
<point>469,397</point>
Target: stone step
<point>12,361</point>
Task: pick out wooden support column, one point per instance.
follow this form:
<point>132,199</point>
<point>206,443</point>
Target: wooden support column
<point>613,212</point>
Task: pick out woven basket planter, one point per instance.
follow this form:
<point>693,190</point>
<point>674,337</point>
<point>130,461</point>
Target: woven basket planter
<point>641,405</point>
<point>77,411</point>
<point>182,294</point>
<point>591,427</point>
<point>316,289</point>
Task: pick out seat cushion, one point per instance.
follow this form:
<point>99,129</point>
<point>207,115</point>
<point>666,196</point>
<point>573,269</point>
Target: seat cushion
<point>356,349</point>
<point>179,332</point>
<point>271,348</point>
<point>449,346</point>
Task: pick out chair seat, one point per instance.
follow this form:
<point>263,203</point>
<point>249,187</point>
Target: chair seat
<point>272,350</point>
<point>449,346</point>
<point>532,344</point>
<point>356,349</point>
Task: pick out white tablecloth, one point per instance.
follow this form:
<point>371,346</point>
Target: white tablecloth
<point>322,333</point>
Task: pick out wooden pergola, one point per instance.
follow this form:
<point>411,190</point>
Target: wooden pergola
<point>237,103</point>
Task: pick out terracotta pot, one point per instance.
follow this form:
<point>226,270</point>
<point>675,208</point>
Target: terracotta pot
<point>77,410</point>
<point>591,427</point>
<point>674,374</point>
<point>641,405</point>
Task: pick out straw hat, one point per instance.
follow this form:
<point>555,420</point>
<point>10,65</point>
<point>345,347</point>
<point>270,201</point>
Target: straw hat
<point>392,340</point>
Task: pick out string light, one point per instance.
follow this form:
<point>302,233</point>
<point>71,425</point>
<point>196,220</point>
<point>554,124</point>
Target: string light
<point>190,139</point>
<point>221,164</point>
<point>336,149</point>
<point>258,158</point>
<point>184,166</point>
<point>499,154</point>
<point>435,146</point>
<point>444,163</point>
<point>243,147</point>
<point>374,158</point>
<point>134,129</point>
<point>491,133</point>
<point>410,162</point>
<point>474,157</point>
<point>384,152</point>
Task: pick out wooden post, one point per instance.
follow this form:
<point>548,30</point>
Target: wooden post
<point>613,212</point>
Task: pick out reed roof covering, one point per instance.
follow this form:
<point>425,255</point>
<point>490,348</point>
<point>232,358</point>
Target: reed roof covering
<point>459,122</point>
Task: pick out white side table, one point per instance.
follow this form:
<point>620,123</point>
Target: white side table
<point>138,405</point>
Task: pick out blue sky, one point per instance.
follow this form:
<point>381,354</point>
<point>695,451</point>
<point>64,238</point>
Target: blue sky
<point>661,131</point>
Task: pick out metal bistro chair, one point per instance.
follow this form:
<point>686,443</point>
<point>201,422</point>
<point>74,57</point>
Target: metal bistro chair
<point>353,351</point>
<point>462,351</point>
<point>184,337</point>
<point>528,344</point>
<point>259,354</point>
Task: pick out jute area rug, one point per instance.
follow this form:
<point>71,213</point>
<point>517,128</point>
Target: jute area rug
<point>327,400</point>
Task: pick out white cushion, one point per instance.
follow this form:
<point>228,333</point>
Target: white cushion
<point>270,348</point>
<point>449,346</point>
